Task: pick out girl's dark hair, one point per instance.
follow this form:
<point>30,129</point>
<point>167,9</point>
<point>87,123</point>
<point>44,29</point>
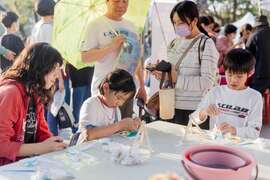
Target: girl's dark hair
<point>120,81</point>
<point>239,61</point>
<point>186,10</point>
<point>229,28</point>
<point>247,27</point>
<point>216,27</point>
<point>9,19</point>
<point>204,20</point>
<point>210,19</point>
<point>32,65</point>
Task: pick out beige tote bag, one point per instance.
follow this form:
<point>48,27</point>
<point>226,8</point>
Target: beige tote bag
<point>167,95</point>
<point>167,98</point>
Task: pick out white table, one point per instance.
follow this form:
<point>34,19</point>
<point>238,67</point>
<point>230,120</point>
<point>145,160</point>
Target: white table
<point>165,139</point>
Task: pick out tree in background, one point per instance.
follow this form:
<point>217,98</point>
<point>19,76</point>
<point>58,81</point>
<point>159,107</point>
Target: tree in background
<point>227,11</point>
<point>203,5</point>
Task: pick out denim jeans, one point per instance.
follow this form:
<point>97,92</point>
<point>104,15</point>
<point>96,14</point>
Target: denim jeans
<point>67,91</point>
<point>52,123</point>
<point>79,95</point>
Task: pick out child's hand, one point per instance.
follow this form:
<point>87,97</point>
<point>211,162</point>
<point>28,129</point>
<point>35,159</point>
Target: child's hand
<point>138,121</point>
<point>129,124</point>
<point>212,110</point>
<point>227,128</point>
<point>54,143</point>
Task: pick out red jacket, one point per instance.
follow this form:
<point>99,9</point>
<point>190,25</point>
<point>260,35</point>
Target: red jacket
<point>13,108</point>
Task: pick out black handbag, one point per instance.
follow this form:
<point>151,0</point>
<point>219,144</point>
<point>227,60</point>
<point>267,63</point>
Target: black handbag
<point>65,117</point>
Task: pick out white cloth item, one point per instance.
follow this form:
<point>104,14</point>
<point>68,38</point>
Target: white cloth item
<point>45,168</point>
<point>58,101</point>
<point>95,113</point>
<point>42,32</point>
<point>241,109</point>
<point>100,33</point>
<point>124,154</point>
<point>194,80</point>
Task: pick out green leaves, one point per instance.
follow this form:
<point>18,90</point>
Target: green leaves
<point>227,11</point>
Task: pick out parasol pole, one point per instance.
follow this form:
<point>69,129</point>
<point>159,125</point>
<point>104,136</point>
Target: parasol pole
<point>259,8</point>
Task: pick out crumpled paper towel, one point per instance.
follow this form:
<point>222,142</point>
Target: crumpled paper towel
<point>124,154</point>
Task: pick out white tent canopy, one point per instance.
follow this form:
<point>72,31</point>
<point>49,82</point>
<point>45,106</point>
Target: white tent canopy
<point>248,18</point>
<point>162,33</point>
<point>265,4</point>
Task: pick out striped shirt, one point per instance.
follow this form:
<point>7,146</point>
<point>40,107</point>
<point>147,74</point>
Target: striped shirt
<point>194,79</point>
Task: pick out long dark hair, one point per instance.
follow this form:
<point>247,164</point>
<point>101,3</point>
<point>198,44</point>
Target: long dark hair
<point>32,65</point>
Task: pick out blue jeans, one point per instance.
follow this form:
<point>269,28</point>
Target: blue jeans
<point>79,95</point>
<point>52,123</point>
<point>67,91</point>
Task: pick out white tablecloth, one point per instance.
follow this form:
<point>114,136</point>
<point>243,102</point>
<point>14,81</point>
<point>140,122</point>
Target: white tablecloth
<point>166,141</point>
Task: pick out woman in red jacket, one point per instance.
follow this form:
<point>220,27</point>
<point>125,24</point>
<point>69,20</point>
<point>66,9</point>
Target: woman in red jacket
<point>24,87</point>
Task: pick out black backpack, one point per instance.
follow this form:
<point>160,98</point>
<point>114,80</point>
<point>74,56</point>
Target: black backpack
<point>201,47</point>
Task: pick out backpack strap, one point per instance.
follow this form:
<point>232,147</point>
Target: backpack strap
<point>201,48</point>
<point>172,44</point>
<point>185,52</point>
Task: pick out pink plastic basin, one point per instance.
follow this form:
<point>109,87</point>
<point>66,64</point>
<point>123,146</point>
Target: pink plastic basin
<point>217,162</point>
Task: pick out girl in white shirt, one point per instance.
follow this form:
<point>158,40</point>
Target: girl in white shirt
<point>100,115</point>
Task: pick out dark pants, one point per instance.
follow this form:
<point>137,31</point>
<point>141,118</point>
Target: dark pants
<point>52,123</point>
<point>127,109</point>
<point>182,117</point>
<point>260,86</point>
<point>67,91</point>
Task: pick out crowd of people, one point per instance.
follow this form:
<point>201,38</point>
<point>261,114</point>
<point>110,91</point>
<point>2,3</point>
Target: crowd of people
<point>219,80</point>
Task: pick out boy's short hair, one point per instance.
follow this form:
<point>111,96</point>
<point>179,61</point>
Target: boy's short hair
<point>45,7</point>
<point>9,19</point>
<point>211,19</point>
<point>239,61</point>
